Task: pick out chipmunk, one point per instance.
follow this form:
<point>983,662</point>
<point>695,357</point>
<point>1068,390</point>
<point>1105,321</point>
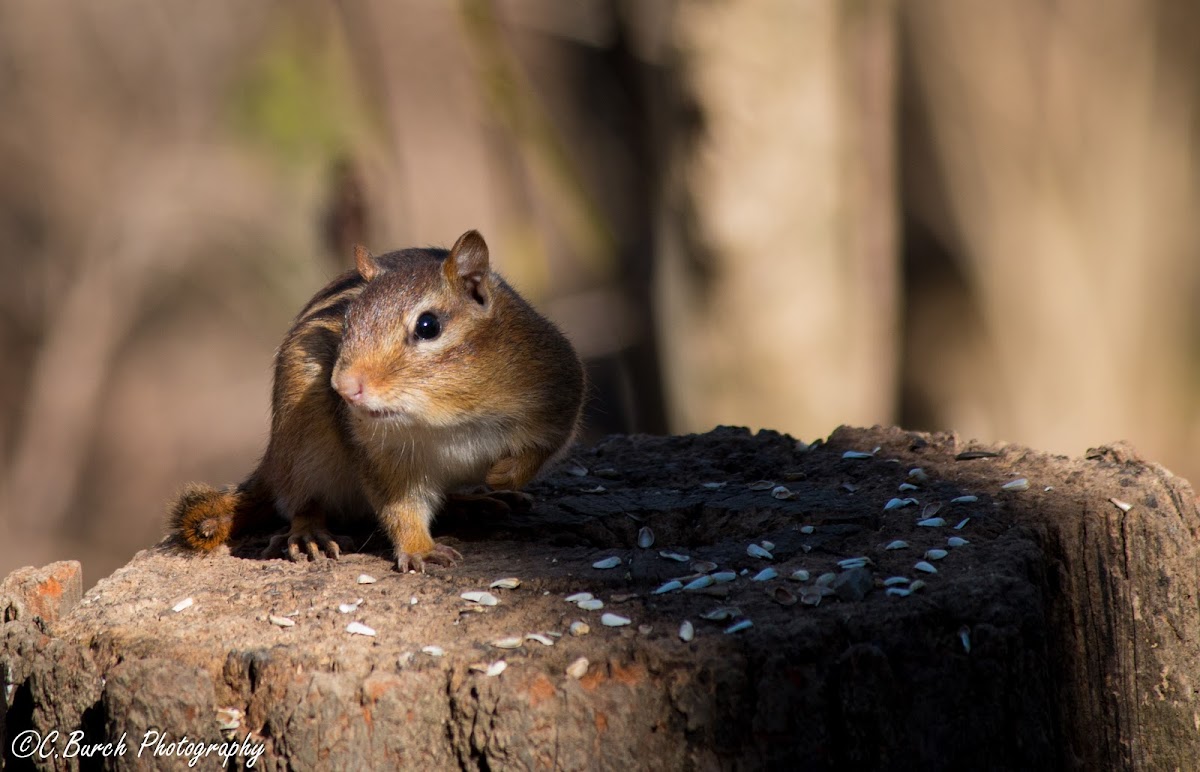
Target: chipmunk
<point>414,375</point>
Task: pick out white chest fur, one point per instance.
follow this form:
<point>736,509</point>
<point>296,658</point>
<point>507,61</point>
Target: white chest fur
<point>433,460</point>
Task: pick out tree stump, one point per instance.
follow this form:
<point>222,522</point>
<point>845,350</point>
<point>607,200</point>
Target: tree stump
<point>1059,630</point>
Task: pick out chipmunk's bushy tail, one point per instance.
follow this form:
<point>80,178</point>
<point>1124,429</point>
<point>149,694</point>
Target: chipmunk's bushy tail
<point>203,518</point>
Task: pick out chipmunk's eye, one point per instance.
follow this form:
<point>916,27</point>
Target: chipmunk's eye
<point>428,326</point>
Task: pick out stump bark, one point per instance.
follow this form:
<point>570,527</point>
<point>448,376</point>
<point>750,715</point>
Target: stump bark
<point>1064,633</point>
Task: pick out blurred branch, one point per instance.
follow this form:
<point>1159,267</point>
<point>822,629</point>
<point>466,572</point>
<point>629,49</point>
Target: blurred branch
<point>514,101</point>
<point>143,238</point>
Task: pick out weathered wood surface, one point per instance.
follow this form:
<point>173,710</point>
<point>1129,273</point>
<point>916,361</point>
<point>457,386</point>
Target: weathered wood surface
<point>1081,619</point>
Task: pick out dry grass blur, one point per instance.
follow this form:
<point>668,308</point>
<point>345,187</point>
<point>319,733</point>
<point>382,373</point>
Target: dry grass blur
<point>943,214</point>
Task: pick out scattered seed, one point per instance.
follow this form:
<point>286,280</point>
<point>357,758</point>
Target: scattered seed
<point>971,455</point>
<point>799,575</point>
<point>783,493</point>
<point>712,486</point>
<point>962,523</point>
<point>645,629</point>
<point>917,584</point>
<point>849,487</point>
<point>578,628</point>
<point>956,541</point>
<point>670,586</point>
<point>925,566</point>
<point>186,603</point>
<point>699,583</point>
<point>965,500</point>
<point>612,562</point>
<point>228,719</point>
<point>366,579</point>
<point>898,544</point>
<point>645,537</point>
<point>507,583</point>
<point>542,639</point>
<point>678,557</point>
<point>412,601</point>
<point>434,651</point>
<point>614,620</point>
<point>899,592</point>
<point>932,522</point>
<point>905,487</point>
<point>578,669</point>
<point>783,596</point>
<point>578,597</point>
<point>1019,484</point>
<point>858,455</point>
<point>704,566</point>
<point>597,489</point>
<point>737,627</point>
<point>935,554</point>
<point>765,575</point>
<point>358,628</point>
<point>513,642</point>
<point>482,598</point>
<point>1121,505</point>
<point>281,621</point>
<point>686,631</point>
<point>918,474</point>
<point>591,604</point>
<point>807,529</point>
<point>964,635</point>
<point>811,598</point>
<point>349,608</point>
<point>575,470</point>
<point>929,510</point>
<point>721,613</point>
<point>893,581</point>
<point>490,670</point>
<point>608,473</point>
<point>756,551</point>
<point>849,563</point>
<point>761,485</point>
<point>825,579</point>
<point>722,577</point>
<point>767,545</point>
<point>898,503</point>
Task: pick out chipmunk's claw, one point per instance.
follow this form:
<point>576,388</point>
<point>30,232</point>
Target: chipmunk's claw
<point>315,545</point>
<point>415,561</point>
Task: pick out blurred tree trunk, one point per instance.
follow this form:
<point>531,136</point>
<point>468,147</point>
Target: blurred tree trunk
<point>1053,160</point>
<point>777,288</point>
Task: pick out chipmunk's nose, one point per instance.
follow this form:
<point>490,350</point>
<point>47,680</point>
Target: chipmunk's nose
<point>350,386</point>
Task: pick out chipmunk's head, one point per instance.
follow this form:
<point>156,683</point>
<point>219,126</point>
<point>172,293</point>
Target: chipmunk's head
<point>414,348</point>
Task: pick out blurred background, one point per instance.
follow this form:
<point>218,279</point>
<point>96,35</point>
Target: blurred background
<point>942,214</point>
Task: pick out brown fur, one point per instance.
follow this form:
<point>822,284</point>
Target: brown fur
<point>492,398</point>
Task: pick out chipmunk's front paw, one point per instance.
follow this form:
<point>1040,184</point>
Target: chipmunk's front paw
<point>313,544</point>
<point>439,554</point>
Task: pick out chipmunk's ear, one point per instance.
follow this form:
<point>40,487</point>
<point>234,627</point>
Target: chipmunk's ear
<point>467,266</point>
<point>368,267</point>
